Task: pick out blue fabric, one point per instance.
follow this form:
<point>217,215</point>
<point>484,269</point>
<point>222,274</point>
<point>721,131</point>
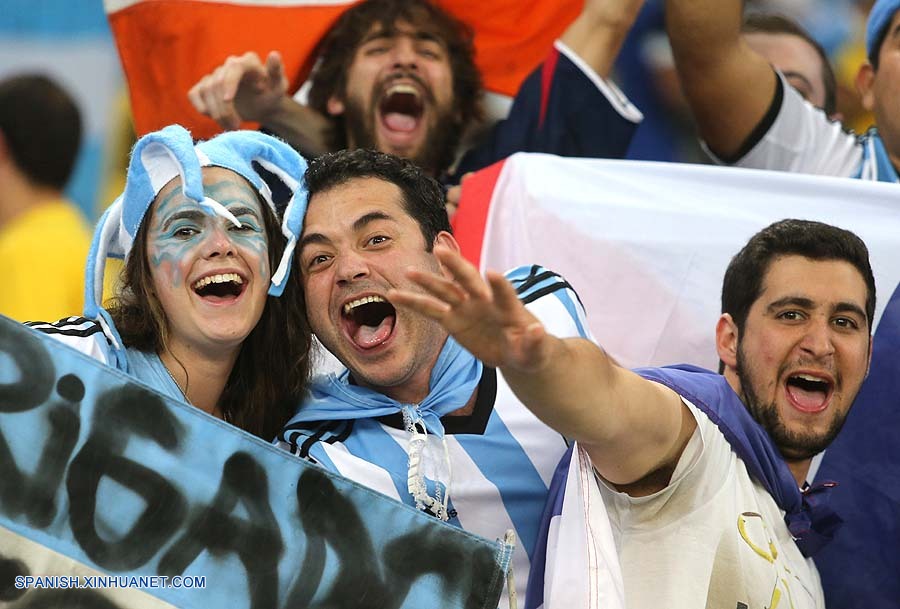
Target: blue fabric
<point>453,381</point>
<point>129,482</point>
<point>875,154</point>
<point>534,594</point>
<point>579,122</point>
<point>879,18</point>
<point>810,520</point>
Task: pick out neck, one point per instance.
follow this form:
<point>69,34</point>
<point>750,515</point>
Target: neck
<point>799,469</point>
<point>19,195</point>
<point>201,378</point>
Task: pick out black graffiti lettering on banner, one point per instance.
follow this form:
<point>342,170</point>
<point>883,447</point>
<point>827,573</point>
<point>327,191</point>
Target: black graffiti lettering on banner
<point>426,552</point>
<point>34,366</point>
<point>35,495</point>
<point>328,517</point>
<point>255,540</point>
<point>10,568</point>
<point>123,413</point>
<point>70,598</point>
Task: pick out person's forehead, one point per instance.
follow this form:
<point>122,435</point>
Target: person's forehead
<point>828,280</point>
<point>353,198</point>
<point>223,185</point>
<point>419,27</point>
<point>779,47</point>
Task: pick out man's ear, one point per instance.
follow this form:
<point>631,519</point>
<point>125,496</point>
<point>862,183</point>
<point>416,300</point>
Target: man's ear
<point>727,340</point>
<point>865,80</point>
<point>449,241</point>
<point>335,106</point>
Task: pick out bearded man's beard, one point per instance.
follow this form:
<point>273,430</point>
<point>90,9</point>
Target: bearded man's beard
<point>793,445</point>
<point>437,152</point>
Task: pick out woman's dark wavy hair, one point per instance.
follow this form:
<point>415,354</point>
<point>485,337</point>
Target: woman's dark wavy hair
<point>338,48</point>
<point>272,369</point>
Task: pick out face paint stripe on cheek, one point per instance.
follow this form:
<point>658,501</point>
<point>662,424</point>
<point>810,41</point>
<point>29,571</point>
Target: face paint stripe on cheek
<point>167,260</point>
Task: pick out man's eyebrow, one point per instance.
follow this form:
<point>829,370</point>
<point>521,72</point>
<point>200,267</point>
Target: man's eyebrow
<point>359,224</point>
<point>312,239</point>
<point>797,301</point>
<point>381,34</point>
<point>850,307</point>
<point>188,214</point>
<point>802,302</point>
<point>894,32</point>
<point>368,218</point>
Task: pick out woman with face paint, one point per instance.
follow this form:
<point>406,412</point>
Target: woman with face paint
<point>206,311</point>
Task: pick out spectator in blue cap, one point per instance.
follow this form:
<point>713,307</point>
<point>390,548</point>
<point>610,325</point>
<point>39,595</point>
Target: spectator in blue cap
<point>748,114</point>
<point>198,316</point>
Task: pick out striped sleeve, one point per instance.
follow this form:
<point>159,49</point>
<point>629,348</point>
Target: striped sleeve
<point>82,334</point>
<point>304,439</point>
<point>552,299</point>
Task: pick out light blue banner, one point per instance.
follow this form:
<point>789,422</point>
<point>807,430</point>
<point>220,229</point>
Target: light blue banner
<point>120,480</point>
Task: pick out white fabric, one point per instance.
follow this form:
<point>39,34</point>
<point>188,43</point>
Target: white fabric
<point>588,575</point>
<point>713,538</point>
<point>804,140</point>
<point>646,244</point>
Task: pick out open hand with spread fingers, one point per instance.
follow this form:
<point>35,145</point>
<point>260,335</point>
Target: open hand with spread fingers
<point>242,88</point>
<point>484,316</point>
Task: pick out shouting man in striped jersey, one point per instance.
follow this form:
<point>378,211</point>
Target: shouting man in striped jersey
<point>414,415</point>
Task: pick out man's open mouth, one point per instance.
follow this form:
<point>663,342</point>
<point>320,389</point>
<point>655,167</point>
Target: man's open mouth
<point>220,288</point>
<point>401,108</point>
<point>369,321</point>
<point>809,393</point>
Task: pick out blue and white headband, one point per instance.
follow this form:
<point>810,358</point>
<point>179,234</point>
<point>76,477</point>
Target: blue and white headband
<point>159,157</point>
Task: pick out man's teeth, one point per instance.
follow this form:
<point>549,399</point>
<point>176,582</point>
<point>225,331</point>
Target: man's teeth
<point>361,301</point>
<point>402,88</point>
<point>224,278</point>
<point>807,377</point>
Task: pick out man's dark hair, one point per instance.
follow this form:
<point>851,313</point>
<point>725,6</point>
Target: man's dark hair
<point>423,197</point>
<point>42,128</point>
<point>814,240</point>
<point>338,48</point>
<point>765,23</point>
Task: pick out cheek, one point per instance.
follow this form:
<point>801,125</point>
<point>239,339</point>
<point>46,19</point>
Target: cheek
<point>316,302</point>
<point>168,265</point>
<point>256,252</point>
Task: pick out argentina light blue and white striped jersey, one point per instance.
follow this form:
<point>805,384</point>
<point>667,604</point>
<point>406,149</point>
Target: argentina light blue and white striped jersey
<point>501,457</point>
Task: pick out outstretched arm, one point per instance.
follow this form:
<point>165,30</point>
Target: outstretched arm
<point>244,88</point>
<point>631,427</point>
<point>598,32</point>
<point>728,85</point>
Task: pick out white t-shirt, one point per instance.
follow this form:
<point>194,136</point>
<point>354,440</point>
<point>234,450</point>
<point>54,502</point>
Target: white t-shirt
<point>712,538</point>
<point>796,136</point>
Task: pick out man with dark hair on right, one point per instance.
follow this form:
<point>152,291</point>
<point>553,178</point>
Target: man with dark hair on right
<point>399,76</point>
<point>704,476</point>
<point>43,238</point>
